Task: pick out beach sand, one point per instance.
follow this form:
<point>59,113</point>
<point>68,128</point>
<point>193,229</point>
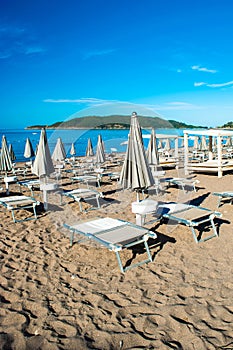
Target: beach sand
<point>54,296</point>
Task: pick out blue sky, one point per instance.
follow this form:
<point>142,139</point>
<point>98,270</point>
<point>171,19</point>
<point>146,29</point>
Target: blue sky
<point>171,58</point>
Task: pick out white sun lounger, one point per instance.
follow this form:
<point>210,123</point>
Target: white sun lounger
<point>183,182</point>
<point>223,195</point>
<point>14,203</point>
<point>30,184</point>
<point>189,215</point>
<point>115,235</point>
<point>83,194</point>
<point>87,179</point>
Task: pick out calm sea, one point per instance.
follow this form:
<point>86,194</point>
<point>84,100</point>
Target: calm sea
<point>112,139</point>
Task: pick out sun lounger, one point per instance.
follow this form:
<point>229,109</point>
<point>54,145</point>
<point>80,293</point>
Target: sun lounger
<point>14,203</point>
<point>87,179</point>
<point>223,195</point>
<point>30,184</point>
<point>83,194</point>
<point>183,183</point>
<point>9,180</point>
<point>115,235</point>
<point>115,175</point>
<point>189,215</point>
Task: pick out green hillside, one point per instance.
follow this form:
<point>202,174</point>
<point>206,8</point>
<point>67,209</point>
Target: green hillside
<point>114,122</point>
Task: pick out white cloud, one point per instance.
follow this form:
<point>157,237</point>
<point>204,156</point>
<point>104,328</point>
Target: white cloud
<point>125,107</point>
<point>203,69</point>
<point>84,100</point>
<point>201,83</point>
<point>17,41</point>
<point>229,83</point>
<point>221,84</point>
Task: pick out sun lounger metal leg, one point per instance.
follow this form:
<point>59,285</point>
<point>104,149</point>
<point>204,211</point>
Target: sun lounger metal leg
<point>144,240</point>
<point>148,251</point>
<point>80,205</point>
<point>34,210</point>
<point>215,234</point>
<point>26,219</point>
<point>194,234</point>
<point>98,202</point>
<point>13,215</point>
<point>183,187</point>
<point>119,262</point>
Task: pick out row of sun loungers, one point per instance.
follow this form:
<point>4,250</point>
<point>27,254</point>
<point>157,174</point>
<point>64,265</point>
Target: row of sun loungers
<point>116,234</point>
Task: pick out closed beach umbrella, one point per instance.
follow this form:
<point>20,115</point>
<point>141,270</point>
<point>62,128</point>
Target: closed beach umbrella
<point>152,152</point>
<point>159,144</point>
<point>59,153</point>
<point>72,150</point>
<point>89,149</point>
<point>167,146</point>
<point>214,143</point>
<point>195,143</point>
<point>136,173</point>
<point>12,153</point>
<point>203,144</point>
<point>28,150</point>
<point>229,142</point>
<point>5,158</point>
<point>36,148</point>
<point>100,156</point>
<point>43,165</point>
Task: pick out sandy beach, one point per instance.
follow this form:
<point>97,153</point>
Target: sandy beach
<point>54,296</point>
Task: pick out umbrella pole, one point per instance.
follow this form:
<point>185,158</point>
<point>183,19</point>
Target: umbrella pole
<point>7,185</point>
<point>45,194</point>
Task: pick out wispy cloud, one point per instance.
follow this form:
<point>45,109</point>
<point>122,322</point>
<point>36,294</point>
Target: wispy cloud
<point>218,85</point>
<point>102,52</point>
<point>221,84</point>
<point>95,102</point>
<point>34,50</point>
<point>83,100</point>
<point>201,83</point>
<point>203,69</point>
<point>16,40</point>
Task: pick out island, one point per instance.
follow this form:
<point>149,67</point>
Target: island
<point>115,122</point>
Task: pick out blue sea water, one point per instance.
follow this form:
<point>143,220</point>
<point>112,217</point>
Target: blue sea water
<point>111,138</point>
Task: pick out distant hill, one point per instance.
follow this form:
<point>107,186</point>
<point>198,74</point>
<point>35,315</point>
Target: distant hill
<point>114,122</point>
<point>228,125</point>
<point>180,125</point>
